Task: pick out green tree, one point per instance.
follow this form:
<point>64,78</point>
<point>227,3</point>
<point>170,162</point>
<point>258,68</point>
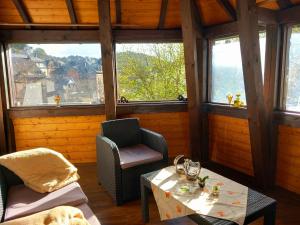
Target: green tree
<point>155,74</point>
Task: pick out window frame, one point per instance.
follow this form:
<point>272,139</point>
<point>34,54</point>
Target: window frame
<point>283,81</point>
<point>145,103</point>
<point>209,70</point>
<point>62,109</point>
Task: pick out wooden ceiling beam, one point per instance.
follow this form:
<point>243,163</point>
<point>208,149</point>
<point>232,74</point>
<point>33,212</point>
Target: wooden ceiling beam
<point>163,13</point>
<point>257,119</point>
<point>198,17</point>
<point>290,15</point>
<point>19,4</point>
<point>284,4</point>
<point>195,54</point>
<point>226,5</point>
<point>108,59</point>
<point>71,11</point>
<point>118,12</point>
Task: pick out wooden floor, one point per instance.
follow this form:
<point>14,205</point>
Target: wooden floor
<point>288,211</point>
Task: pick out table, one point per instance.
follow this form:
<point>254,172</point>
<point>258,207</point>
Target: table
<point>258,205</point>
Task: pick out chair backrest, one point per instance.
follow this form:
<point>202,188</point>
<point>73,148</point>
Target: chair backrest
<point>7,179</point>
<point>124,132</point>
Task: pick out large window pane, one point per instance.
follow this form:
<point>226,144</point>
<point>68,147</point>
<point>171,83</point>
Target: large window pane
<point>293,72</point>
<point>227,71</point>
<point>150,72</point>
<point>39,72</point>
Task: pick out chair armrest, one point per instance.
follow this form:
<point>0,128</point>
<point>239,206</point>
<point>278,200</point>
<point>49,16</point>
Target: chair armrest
<point>155,141</point>
<point>108,165</point>
<point>108,148</point>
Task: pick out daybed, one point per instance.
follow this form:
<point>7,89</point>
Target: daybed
<point>17,200</point>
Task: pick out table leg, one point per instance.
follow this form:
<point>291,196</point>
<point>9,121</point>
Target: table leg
<point>270,215</point>
<point>145,202</point>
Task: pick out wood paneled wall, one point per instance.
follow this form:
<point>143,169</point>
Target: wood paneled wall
<point>229,143</point>
<point>230,146</point>
<point>173,126</point>
<point>288,158</point>
<point>73,136</point>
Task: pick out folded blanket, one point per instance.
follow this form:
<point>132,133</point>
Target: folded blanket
<point>41,169</point>
<point>61,215</point>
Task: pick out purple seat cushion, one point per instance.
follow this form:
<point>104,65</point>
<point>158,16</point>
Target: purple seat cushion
<point>22,201</point>
<point>138,155</point>
<point>88,214</point>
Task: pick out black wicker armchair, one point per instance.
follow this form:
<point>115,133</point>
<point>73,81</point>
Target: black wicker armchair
<point>124,152</point>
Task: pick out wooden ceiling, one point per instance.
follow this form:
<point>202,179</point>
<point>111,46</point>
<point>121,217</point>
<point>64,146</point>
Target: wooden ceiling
<point>130,14</point>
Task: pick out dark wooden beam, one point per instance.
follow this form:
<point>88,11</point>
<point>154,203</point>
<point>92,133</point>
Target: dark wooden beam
<point>195,54</point>
<point>284,4</point>
<point>147,107</point>
<point>163,13</point>
<point>266,16</point>
<point>226,110</point>
<point>287,118</point>
<point>89,35</point>
<point>53,111</point>
<point>118,12</point>
<point>290,15</point>
<point>108,59</point>
<point>150,36</point>
<point>49,36</point>
<point>226,5</point>
<point>198,17</point>
<point>250,52</point>
<point>3,128</point>
<point>71,11</point>
<point>223,30</point>
<point>270,92</point>
<point>22,11</point>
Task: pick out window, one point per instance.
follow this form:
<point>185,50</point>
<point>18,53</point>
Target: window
<point>39,72</point>
<point>227,71</point>
<point>292,101</point>
<point>150,72</point>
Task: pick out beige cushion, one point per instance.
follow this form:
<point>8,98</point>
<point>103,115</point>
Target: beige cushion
<point>60,215</point>
<point>138,155</point>
<point>42,170</point>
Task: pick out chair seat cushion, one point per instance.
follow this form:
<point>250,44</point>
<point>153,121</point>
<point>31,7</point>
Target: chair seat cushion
<point>22,201</point>
<point>138,155</point>
<point>88,214</point>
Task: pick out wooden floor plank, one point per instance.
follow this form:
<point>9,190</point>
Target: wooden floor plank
<point>130,213</point>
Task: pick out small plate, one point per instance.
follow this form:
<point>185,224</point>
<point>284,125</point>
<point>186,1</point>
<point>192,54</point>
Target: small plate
<point>186,189</point>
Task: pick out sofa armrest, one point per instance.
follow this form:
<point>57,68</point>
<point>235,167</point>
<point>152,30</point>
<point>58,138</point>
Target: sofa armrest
<point>155,141</point>
<point>108,165</point>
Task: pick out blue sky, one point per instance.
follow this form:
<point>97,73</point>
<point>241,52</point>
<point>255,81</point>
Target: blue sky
<point>90,50</point>
<point>64,50</point>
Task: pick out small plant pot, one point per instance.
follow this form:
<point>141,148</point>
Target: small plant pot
<point>201,184</point>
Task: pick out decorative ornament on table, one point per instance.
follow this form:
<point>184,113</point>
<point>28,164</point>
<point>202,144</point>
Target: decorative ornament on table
<point>238,103</point>
<point>201,181</point>
<point>192,169</point>
<point>179,167</point>
<point>57,100</point>
<point>215,191</point>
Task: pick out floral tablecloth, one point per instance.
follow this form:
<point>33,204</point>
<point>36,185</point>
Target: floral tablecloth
<point>172,202</point>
